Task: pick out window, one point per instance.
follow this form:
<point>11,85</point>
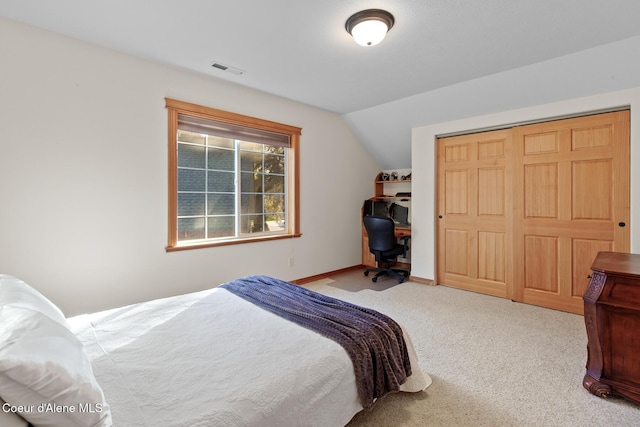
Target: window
<point>232,178</point>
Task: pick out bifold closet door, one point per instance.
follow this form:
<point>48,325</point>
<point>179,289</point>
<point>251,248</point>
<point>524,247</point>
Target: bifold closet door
<point>475,212</point>
<point>571,201</point>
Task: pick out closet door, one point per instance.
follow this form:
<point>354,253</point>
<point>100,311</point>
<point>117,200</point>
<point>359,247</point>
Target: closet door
<point>571,200</point>
<point>475,212</point>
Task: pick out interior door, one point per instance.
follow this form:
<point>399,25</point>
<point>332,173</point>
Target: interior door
<point>571,200</point>
<point>522,212</point>
<point>475,212</point>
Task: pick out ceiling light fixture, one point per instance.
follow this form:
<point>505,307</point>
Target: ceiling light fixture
<point>368,27</point>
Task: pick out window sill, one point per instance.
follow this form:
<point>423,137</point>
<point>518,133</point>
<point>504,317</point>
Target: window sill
<point>202,245</point>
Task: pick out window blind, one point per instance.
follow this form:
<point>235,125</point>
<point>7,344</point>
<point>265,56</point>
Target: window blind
<point>229,130</point>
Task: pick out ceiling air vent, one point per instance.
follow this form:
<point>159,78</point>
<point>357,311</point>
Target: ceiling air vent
<point>228,68</point>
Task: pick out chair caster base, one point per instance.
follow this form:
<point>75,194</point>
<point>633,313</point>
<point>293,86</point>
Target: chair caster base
<point>398,274</point>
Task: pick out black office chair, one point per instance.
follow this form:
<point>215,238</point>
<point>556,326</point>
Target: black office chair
<point>384,245</point>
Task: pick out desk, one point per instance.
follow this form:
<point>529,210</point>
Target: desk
<point>390,190</point>
<point>368,259</point>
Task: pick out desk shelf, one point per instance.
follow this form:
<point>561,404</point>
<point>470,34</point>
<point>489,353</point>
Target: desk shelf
<point>392,186</point>
<point>383,198</point>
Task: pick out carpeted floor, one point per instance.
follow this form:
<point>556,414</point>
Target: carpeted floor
<point>493,362</point>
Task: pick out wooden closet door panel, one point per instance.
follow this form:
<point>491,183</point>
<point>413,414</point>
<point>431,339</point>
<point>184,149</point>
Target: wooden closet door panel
<point>523,212</point>
<point>571,192</point>
<point>583,253</point>
<point>475,212</point>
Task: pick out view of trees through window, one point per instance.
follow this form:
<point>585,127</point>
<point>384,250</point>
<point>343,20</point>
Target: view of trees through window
<point>231,178</point>
<point>229,187</point>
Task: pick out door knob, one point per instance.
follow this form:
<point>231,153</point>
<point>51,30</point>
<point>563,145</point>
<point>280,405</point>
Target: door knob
<point>621,224</point>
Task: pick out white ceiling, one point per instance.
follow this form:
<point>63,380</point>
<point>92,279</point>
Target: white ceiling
<point>299,49</point>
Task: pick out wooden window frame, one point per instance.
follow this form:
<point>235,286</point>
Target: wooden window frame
<point>174,108</point>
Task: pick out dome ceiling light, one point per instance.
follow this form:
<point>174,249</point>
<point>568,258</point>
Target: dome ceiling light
<point>369,27</point>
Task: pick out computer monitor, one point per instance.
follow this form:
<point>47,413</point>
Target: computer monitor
<point>400,214</point>
<point>376,208</point>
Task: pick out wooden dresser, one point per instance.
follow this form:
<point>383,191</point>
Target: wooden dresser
<point>612,319</point>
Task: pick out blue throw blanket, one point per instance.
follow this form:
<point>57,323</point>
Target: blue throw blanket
<point>374,342</point>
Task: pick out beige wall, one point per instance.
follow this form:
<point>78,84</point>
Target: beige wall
<point>83,177</point>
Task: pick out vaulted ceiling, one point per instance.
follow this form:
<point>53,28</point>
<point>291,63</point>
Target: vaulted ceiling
<point>299,49</point>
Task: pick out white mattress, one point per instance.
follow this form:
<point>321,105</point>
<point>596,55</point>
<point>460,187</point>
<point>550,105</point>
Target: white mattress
<point>211,358</point>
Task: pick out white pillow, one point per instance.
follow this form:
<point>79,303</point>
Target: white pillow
<point>8,416</point>
<point>44,369</point>
<point>16,293</point>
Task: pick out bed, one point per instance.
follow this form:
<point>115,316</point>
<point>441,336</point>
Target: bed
<point>202,359</point>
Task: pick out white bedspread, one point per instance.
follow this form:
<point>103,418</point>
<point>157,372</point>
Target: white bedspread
<point>213,359</point>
